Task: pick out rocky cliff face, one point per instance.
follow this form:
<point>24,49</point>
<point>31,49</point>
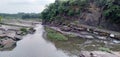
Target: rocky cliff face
<point>93,16</point>
<point>88,12</point>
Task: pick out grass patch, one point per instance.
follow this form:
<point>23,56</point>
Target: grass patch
<point>105,49</point>
<point>54,35</point>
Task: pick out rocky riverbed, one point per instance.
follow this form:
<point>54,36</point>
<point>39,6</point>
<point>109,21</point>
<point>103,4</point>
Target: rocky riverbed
<point>10,34</point>
<point>85,42</point>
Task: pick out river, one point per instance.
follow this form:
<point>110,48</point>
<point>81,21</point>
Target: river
<point>34,45</point>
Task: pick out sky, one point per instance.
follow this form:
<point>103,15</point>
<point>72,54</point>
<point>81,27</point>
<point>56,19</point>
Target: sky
<point>27,6</point>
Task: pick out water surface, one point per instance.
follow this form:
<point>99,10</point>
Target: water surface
<point>34,45</point>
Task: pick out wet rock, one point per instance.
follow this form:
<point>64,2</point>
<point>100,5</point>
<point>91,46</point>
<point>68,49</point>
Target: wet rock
<point>31,30</point>
<point>18,37</point>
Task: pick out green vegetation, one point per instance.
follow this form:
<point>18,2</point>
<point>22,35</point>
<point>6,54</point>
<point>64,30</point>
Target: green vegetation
<point>0,19</point>
<point>63,10</point>
<point>54,35</point>
<point>24,31</point>
<point>70,10</point>
<point>105,49</point>
<point>20,16</point>
<point>112,13</point>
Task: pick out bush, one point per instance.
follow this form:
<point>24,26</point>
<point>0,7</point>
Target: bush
<point>23,30</point>
<point>112,13</point>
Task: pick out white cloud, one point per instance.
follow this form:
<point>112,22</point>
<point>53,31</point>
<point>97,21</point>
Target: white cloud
<point>28,6</point>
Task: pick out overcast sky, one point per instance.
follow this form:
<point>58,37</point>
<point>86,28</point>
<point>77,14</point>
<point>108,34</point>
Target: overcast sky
<point>27,6</point>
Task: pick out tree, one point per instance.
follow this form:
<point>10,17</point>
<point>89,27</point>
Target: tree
<point>112,13</point>
<point>102,4</point>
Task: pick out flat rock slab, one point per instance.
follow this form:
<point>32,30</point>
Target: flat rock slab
<point>100,54</point>
<point>8,43</point>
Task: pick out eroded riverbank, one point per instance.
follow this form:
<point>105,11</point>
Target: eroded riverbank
<point>77,45</point>
<point>35,45</point>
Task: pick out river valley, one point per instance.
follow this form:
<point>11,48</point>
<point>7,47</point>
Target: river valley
<point>35,45</point>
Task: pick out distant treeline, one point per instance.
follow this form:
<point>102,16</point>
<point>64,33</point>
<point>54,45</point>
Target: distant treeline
<point>20,15</point>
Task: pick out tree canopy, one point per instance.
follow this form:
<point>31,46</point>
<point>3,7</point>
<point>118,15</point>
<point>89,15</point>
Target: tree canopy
<point>74,8</point>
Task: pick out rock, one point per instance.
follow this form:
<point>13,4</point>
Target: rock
<point>89,36</point>
<point>19,32</point>
<point>90,30</point>
<point>8,43</point>
<point>96,33</point>
<point>101,37</point>
<point>100,54</point>
<point>80,29</point>
<point>65,28</point>
<point>2,35</point>
<point>116,41</point>
<point>11,34</point>
<point>112,35</point>
<point>18,37</point>
<point>84,33</point>
<point>103,34</point>
<point>117,37</point>
<point>31,30</point>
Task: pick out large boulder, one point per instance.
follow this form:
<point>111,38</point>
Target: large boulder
<point>7,43</point>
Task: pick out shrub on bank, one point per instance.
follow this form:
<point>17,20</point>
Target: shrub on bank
<point>24,31</point>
